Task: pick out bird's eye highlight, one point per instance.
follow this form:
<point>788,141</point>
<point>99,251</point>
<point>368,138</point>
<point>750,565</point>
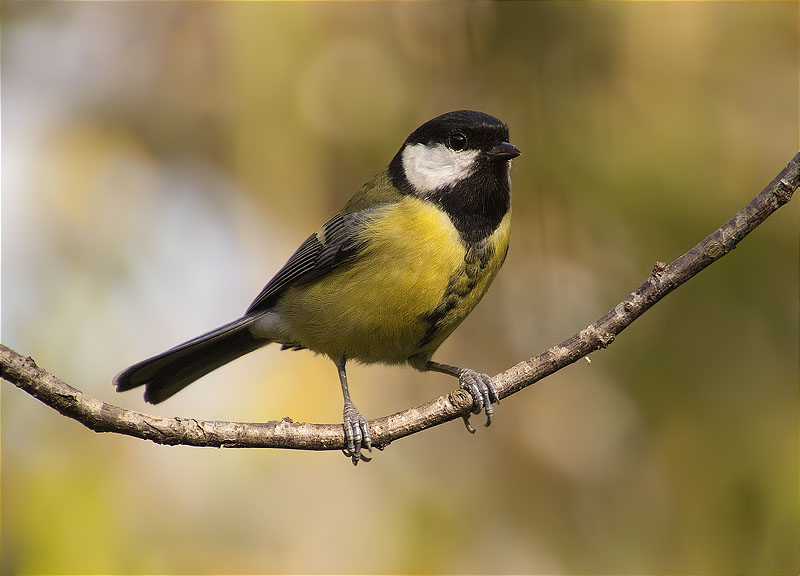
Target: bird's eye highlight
<point>457,141</point>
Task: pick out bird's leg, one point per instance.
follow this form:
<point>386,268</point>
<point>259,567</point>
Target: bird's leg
<point>356,430</point>
<point>480,386</point>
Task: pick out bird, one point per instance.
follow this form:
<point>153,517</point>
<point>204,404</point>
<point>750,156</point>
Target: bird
<point>386,280</point>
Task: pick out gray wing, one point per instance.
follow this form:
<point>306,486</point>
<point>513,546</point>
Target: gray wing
<point>337,241</point>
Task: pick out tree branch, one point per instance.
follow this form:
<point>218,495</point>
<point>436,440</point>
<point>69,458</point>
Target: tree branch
<point>102,417</point>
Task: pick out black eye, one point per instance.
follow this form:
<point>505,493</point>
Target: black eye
<point>457,141</point>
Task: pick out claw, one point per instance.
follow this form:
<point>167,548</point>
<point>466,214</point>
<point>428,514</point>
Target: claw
<point>483,392</point>
<point>470,429</point>
<point>470,382</point>
<point>356,433</point>
<point>361,457</point>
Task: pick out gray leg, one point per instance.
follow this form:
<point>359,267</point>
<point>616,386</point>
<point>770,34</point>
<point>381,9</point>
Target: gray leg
<point>356,430</point>
<point>479,386</point>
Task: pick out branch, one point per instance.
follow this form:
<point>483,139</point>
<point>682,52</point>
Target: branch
<point>102,417</point>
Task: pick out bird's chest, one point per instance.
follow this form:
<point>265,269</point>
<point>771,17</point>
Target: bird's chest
<point>467,285</point>
<point>414,273</point>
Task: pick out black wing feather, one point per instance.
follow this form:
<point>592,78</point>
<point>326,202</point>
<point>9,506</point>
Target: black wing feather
<point>338,241</point>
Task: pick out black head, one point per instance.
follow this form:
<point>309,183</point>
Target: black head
<point>460,161</point>
<point>478,125</point>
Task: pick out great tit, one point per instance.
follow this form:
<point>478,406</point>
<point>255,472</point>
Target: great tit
<point>387,279</point>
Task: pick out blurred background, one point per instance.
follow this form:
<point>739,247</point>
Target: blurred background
<point>160,161</point>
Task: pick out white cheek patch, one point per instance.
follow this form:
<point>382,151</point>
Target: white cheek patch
<point>430,167</point>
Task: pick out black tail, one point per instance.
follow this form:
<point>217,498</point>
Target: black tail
<point>173,370</point>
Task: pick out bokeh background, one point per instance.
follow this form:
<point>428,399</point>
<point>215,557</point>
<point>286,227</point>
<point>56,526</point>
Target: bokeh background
<point>160,161</point>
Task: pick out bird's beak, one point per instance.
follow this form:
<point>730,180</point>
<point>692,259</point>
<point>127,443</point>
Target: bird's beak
<point>503,151</point>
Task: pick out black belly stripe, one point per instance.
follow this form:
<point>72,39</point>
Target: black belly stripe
<point>462,282</point>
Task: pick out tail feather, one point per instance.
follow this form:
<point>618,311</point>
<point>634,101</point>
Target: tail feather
<point>171,371</point>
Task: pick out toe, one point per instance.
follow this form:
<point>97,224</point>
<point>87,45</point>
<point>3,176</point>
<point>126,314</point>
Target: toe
<point>470,383</point>
<point>348,435</point>
<point>356,441</point>
<point>489,410</point>
<point>366,439</point>
<point>356,432</point>
<point>484,394</point>
<point>492,394</point>
<point>486,390</point>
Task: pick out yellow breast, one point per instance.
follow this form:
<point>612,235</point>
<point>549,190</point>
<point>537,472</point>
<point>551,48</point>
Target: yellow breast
<point>481,263</point>
<point>377,308</point>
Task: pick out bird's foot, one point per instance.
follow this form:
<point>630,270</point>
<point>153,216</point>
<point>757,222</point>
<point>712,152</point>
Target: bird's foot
<point>483,391</point>
<point>356,434</point>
